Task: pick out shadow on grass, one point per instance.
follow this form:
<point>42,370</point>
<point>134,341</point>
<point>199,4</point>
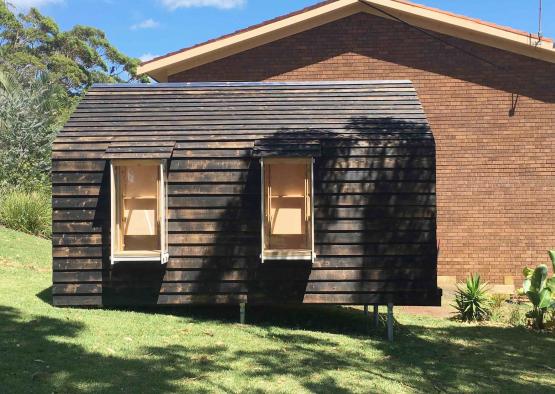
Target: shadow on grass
<point>42,356</point>
<point>45,295</point>
<point>319,318</point>
<point>322,318</point>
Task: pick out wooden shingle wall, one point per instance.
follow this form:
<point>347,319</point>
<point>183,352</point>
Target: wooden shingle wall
<point>374,187</point>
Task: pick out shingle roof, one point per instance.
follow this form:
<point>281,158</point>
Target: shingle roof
<point>124,119</point>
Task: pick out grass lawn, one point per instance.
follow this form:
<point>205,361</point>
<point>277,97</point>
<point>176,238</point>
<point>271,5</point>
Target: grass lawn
<point>311,349</point>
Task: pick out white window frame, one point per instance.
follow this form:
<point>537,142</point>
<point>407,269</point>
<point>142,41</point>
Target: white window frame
<point>285,255</point>
<point>163,257</point>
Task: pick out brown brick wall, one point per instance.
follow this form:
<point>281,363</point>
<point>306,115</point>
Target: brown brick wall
<point>495,172</point>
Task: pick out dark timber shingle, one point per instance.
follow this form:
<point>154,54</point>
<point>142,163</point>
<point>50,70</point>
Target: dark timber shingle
<point>374,184</point>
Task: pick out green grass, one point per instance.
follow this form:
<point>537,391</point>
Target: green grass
<point>324,349</point>
<point>22,248</point>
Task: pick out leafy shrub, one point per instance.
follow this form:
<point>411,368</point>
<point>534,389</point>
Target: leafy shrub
<point>551,320</point>
<point>472,301</point>
<point>540,290</point>
<point>516,316</point>
<point>498,300</point>
<point>28,212</point>
<point>506,311</point>
<point>497,310</point>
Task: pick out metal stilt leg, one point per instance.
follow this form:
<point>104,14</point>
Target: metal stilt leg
<point>242,313</point>
<point>390,321</point>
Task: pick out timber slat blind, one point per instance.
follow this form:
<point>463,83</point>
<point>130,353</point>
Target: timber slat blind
<point>287,207</point>
<point>138,210</point>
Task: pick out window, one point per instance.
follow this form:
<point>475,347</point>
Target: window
<point>138,211</point>
<point>287,231</point>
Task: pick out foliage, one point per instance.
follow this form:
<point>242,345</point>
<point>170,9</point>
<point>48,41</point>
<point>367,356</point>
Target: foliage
<point>29,212</point>
<point>76,58</point>
<point>550,320</point>
<point>516,316</point>
<point>472,302</point>
<point>29,110</point>
<point>507,312</point>
<point>498,302</point>
<point>540,290</point>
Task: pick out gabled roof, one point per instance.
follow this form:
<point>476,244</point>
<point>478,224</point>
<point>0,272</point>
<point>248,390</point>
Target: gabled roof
<point>418,15</point>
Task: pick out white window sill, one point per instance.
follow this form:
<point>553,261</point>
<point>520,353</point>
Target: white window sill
<point>140,256</point>
<point>288,255</point>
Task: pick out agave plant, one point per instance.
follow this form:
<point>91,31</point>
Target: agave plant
<point>540,290</point>
<point>472,301</point>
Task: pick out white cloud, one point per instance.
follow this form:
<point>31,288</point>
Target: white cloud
<point>221,4</point>
<point>145,57</point>
<point>26,4</point>
<point>146,24</point>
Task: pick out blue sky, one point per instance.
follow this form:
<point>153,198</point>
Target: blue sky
<point>144,28</point>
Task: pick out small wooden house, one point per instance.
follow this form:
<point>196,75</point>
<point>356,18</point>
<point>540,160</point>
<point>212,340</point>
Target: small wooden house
<point>298,192</point>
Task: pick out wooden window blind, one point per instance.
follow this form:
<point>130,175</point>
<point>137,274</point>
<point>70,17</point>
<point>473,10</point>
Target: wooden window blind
<point>287,208</point>
<point>138,210</point>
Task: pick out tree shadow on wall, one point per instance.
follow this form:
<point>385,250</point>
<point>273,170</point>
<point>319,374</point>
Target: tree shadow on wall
<point>375,207</point>
<point>374,188</point>
<point>376,198</point>
<point>221,255</point>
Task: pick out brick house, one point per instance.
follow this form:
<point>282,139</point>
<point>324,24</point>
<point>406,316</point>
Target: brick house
<point>488,92</point>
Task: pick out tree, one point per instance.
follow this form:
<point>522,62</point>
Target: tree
<point>29,110</point>
<point>76,58</point>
